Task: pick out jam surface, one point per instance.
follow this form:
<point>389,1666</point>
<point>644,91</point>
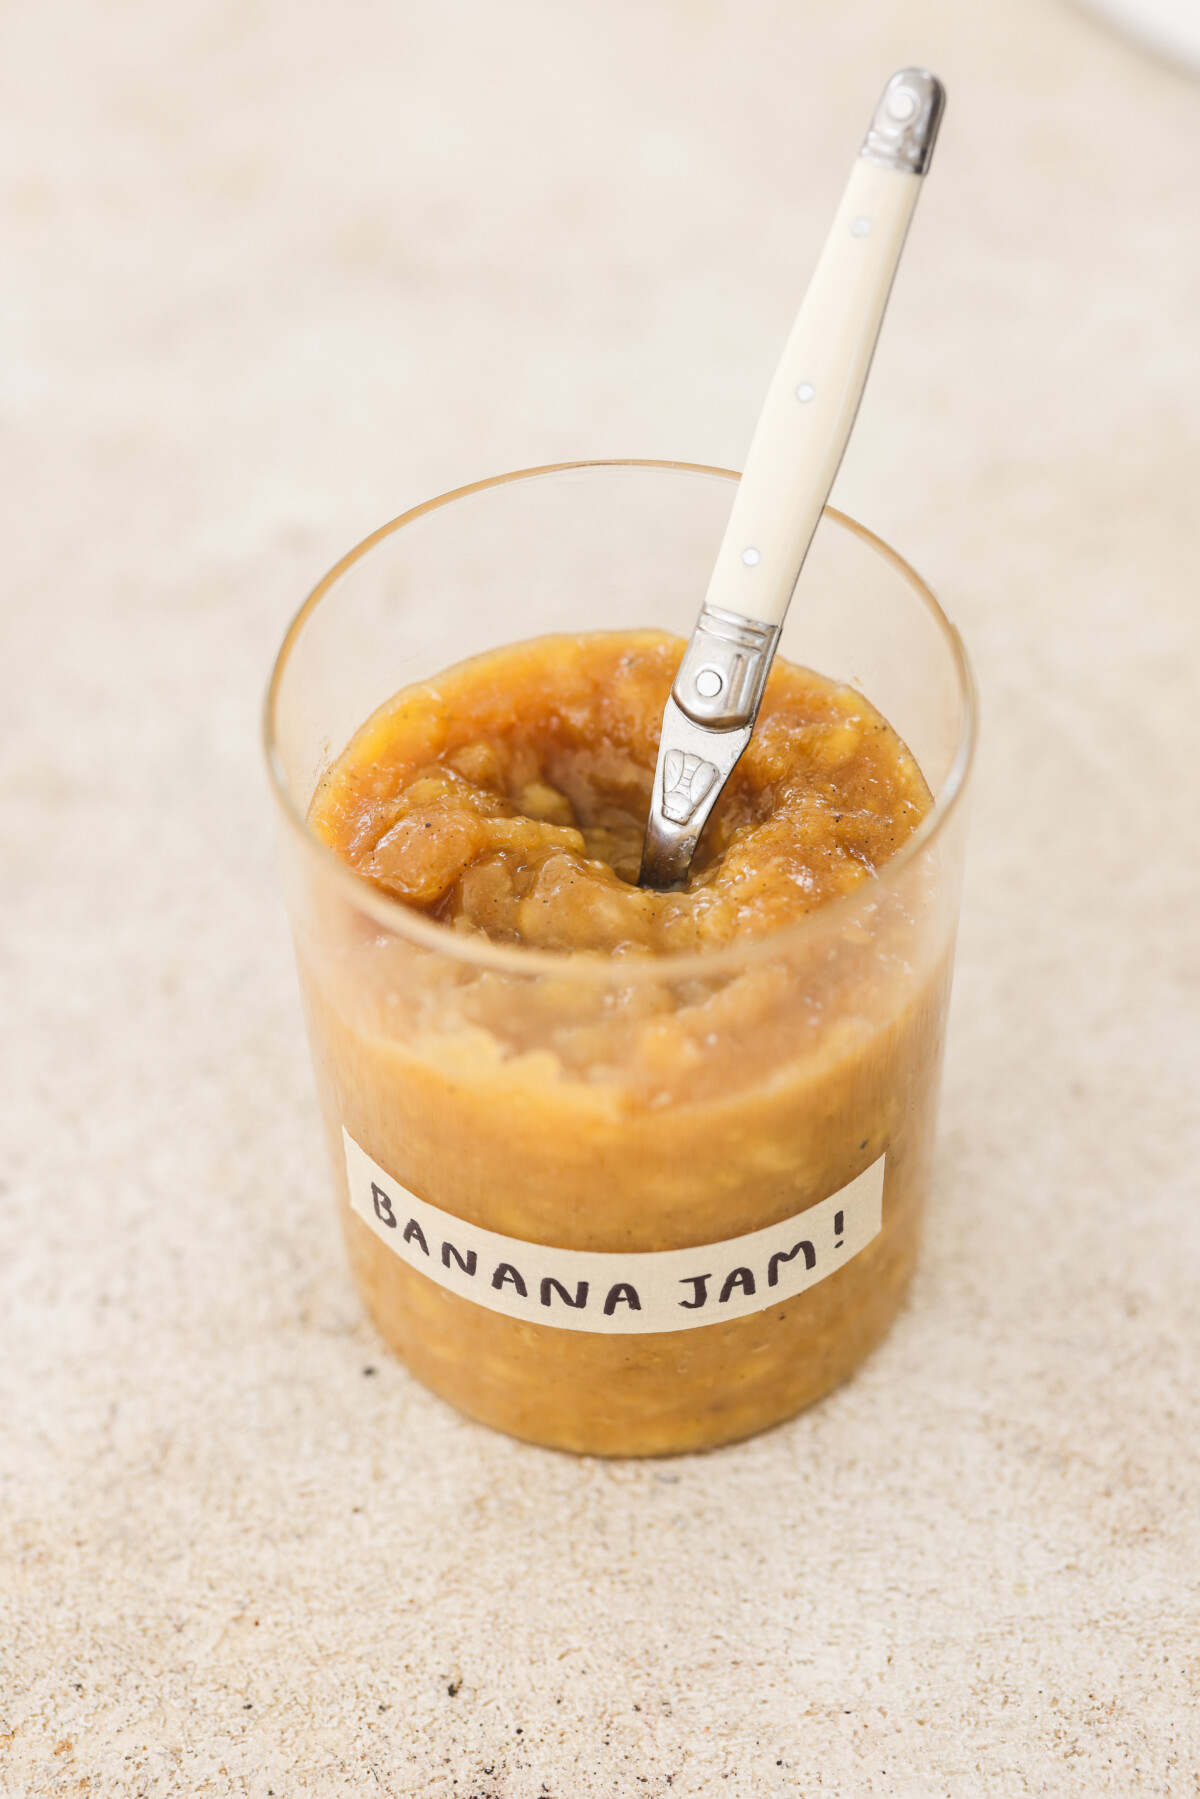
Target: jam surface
<point>509,796</point>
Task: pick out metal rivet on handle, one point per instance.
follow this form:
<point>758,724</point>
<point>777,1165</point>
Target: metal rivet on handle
<point>902,104</point>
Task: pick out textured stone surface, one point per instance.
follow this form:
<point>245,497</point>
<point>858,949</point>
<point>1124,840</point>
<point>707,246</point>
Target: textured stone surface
<point>271,273</point>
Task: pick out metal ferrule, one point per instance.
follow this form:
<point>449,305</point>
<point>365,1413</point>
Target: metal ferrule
<point>706,726</point>
<point>724,669</point>
<point>905,127</point>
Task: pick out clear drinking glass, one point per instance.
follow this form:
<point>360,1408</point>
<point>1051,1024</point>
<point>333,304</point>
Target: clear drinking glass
<point>610,1110</point>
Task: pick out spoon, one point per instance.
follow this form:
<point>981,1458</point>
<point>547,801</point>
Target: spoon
<point>797,448</point>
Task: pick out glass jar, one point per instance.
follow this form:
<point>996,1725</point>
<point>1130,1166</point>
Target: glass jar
<point>622,1206</point>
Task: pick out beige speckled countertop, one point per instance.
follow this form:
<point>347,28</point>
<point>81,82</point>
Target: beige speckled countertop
<point>270,273</point>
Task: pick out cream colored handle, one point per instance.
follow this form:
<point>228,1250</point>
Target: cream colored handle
<point>812,401</point>
<point>801,434</point>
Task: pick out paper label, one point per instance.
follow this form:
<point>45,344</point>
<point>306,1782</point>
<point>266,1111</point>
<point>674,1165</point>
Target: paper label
<point>625,1294</point>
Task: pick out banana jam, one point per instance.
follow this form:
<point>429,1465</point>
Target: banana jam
<point>671,1071</point>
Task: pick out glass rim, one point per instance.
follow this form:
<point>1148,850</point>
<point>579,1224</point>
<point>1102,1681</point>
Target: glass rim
<point>503,958</point>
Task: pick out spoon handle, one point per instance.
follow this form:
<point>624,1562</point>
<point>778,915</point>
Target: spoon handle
<point>813,398</point>
<point>797,448</point>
